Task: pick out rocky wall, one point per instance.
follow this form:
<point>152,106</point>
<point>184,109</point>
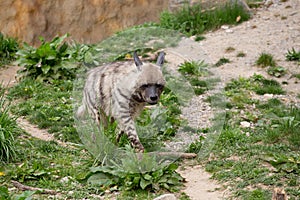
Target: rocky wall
<point>87,21</point>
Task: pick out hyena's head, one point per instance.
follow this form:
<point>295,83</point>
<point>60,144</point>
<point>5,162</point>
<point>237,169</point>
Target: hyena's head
<point>150,82</point>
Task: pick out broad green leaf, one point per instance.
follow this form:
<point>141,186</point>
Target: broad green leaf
<point>100,179</point>
<point>144,183</point>
<point>45,68</point>
<point>147,177</point>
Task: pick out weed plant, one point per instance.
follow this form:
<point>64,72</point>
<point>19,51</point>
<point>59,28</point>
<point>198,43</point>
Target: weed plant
<point>54,60</point>
<point>276,71</point>
<point>222,61</point>
<point>8,47</point>
<point>193,20</point>
<point>196,72</point>
<point>127,175</point>
<point>241,54</point>
<point>8,130</point>
<point>266,60</point>
<point>293,55</point>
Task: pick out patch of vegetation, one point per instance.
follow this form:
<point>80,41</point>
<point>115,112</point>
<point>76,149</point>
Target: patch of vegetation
<point>197,68</point>
<point>222,61</point>
<point>242,157</point>
<point>195,72</point>
<point>47,105</point>
<point>199,38</point>
<point>297,76</point>
<point>256,83</point>
<point>229,49</point>
<point>265,60</point>
<point>8,130</point>
<point>46,164</point>
<point>54,60</point>
<point>241,54</point>
<point>8,47</point>
<point>126,177</point>
<point>293,55</point>
<point>193,20</point>
<point>276,71</point>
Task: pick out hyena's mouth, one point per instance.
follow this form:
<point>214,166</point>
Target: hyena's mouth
<point>152,100</point>
<point>153,103</point>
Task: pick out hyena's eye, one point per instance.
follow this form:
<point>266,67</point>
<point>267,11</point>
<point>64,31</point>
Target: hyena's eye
<point>159,86</point>
<point>144,86</point>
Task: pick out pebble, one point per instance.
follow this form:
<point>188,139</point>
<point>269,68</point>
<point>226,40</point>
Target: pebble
<point>166,197</point>
<point>225,27</point>
<point>229,31</point>
<point>268,96</point>
<point>245,124</point>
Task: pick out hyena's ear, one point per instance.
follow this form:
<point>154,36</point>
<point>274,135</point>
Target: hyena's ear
<point>137,61</point>
<point>160,59</point>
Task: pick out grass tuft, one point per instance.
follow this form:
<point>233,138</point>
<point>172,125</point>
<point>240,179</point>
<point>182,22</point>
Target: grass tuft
<point>8,131</point>
<point>265,60</point>
<point>293,55</point>
<point>193,20</point>
<point>8,47</point>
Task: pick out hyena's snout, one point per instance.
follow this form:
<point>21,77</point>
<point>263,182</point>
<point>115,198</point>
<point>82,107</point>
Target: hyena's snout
<point>152,93</point>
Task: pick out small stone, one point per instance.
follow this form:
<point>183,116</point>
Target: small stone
<point>65,179</point>
<point>245,124</point>
<point>166,197</point>
<point>229,31</point>
<point>268,96</point>
<point>224,27</point>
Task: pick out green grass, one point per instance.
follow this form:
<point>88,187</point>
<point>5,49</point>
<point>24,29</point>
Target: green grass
<point>199,38</point>
<point>45,164</point>
<point>193,20</point>
<point>293,55</point>
<point>222,61</point>
<point>241,54</point>
<point>8,130</point>
<point>8,47</point>
<point>196,72</point>
<point>46,105</point>
<point>276,71</point>
<point>264,156</point>
<point>265,60</point>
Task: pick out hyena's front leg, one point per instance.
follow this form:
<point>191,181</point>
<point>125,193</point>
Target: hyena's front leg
<point>127,126</point>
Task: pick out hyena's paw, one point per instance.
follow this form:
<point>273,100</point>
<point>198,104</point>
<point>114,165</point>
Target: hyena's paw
<point>139,148</point>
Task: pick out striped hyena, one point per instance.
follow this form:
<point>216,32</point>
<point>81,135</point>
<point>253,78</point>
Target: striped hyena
<point>119,91</point>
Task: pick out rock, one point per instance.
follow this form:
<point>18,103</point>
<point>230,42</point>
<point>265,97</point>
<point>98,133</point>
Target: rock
<point>87,21</point>
<point>224,27</point>
<point>166,197</point>
<point>268,96</point>
<point>229,31</point>
<point>245,124</point>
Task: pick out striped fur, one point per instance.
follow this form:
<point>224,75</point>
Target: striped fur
<point>119,91</point>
